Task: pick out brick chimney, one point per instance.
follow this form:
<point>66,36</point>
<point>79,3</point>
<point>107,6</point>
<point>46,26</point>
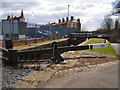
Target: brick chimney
<point>59,20</point>
<point>78,20</point>
<point>63,20</point>
<point>72,18</point>
<point>8,17</point>
<point>67,19</point>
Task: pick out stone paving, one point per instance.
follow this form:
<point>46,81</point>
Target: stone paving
<point>80,69</point>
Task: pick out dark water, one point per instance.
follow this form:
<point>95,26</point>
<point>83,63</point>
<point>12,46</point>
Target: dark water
<point>12,75</point>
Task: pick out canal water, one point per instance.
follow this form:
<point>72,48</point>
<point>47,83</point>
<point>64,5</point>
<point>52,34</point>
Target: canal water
<point>10,76</point>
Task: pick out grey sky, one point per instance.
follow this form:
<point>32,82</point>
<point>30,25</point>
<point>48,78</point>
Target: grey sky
<point>90,12</point>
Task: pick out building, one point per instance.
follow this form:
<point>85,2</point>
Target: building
<point>14,27</point>
<point>19,19</point>
<point>72,23</point>
<point>21,23</point>
<point>10,30</point>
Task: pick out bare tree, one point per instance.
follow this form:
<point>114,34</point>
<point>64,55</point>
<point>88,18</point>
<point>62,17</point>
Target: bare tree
<point>107,23</point>
<point>116,24</point>
<point>116,7</point>
<point>118,4</point>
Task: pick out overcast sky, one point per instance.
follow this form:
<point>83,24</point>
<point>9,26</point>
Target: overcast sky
<point>90,12</point>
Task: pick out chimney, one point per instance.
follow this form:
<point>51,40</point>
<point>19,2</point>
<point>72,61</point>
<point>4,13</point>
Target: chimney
<point>67,19</point>
<point>59,20</point>
<point>72,18</point>
<point>78,20</point>
<point>63,20</point>
<point>8,17</point>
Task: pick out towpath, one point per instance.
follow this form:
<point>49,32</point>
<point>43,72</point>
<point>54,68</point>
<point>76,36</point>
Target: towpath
<point>99,78</point>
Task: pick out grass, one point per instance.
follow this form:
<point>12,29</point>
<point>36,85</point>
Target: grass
<point>108,50</point>
<point>93,41</point>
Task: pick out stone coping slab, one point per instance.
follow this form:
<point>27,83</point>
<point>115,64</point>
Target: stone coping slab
<point>26,47</point>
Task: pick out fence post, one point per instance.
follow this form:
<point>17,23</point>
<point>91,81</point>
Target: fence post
<point>105,40</point>
<point>35,40</point>
<point>12,56</point>
<point>26,41</point>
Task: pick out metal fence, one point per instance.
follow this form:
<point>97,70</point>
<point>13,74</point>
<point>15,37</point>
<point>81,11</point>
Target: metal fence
<point>23,31</point>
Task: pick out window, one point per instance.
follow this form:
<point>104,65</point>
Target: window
<point>73,25</point>
<point>15,35</point>
<point>7,35</point>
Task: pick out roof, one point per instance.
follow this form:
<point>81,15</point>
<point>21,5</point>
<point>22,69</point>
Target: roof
<point>74,21</point>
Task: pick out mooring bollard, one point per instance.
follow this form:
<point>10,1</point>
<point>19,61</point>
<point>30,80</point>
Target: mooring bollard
<point>9,44</point>
<point>56,58</point>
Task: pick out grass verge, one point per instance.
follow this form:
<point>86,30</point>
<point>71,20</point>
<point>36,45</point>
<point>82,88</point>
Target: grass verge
<point>94,41</point>
<point>108,50</point>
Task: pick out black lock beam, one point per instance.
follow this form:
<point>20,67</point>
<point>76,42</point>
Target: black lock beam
<point>56,58</point>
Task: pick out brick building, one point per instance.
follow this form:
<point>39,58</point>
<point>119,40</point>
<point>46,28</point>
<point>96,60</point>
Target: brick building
<point>14,27</point>
<point>22,25</point>
<point>19,19</point>
<point>72,23</point>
